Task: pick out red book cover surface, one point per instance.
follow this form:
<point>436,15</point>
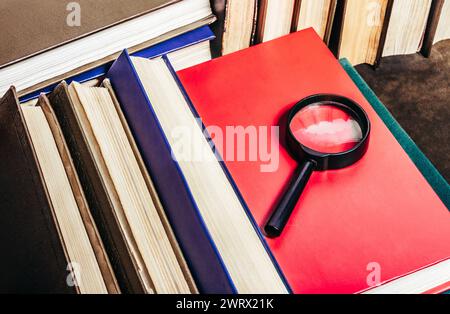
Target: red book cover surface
<point>378,219</point>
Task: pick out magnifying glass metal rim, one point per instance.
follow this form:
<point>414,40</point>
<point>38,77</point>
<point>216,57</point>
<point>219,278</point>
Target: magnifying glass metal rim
<point>311,160</point>
<point>323,160</point>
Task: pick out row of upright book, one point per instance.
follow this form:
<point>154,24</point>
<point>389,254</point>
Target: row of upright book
<point>363,31</point>
<point>80,226</point>
<point>141,173</point>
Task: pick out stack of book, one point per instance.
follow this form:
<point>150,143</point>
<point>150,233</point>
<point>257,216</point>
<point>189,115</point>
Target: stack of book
<point>151,171</point>
<point>52,40</point>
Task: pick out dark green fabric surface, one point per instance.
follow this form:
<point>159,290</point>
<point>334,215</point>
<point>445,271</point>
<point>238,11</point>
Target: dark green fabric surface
<point>435,179</point>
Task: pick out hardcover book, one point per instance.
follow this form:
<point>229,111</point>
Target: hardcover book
<point>379,212</point>
<point>235,25</point>
<point>32,27</point>
<point>37,26</point>
<point>145,256</point>
<point>220,241</point>
<point>359,30</point>
<point>197,39</point>
<point>49,239</point>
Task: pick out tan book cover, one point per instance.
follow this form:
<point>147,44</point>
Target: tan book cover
<point>30,26</point>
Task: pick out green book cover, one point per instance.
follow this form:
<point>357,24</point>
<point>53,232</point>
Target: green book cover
<point>432,175</point>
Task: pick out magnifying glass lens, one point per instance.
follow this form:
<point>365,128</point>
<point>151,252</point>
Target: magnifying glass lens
<point>326,128</point>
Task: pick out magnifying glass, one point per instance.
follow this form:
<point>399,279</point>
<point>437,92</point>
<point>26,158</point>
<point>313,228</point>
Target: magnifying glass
<point>324,132</point>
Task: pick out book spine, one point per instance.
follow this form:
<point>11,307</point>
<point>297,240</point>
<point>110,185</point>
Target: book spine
<point>432,24</point>
<point>337,26</point>
<point>296,15</point>
<point>196,244</point>
<point>387,19</point>
<point>255,24</point>
<point>34,257</point>
<point>330,21</point>
<point>219,8</point>
<point>260,21</point>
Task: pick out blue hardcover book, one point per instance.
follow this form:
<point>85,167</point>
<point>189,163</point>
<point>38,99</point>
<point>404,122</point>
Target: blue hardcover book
<point>204,261</point>
<point>188,39</point>
<point>212,270</point>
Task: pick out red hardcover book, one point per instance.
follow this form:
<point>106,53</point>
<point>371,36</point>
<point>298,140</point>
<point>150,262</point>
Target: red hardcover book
<point>378,219</point>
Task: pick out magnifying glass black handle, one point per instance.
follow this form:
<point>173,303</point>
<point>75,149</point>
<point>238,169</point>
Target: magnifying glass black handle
<point>283,211</point>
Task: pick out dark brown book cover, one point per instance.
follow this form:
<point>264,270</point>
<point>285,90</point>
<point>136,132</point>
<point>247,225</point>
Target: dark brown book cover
<point>94,186</point>
<point>331,15</point>
<point>334,42</point>
<point>30,26</point>
<point>83,207</point>
<point>218,27</point>
<point>151,187</point>
<point>33,257</point>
